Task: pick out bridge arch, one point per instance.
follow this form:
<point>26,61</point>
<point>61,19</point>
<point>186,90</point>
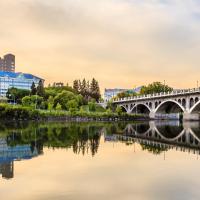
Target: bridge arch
<point>141,108</point>
<point>141,129</point>
<point>124,108</point>
<point>169,105</point>
<point>195,137</point>
<point>196,99</point>
<point>179,132</point>
<point>183,102</point>
<point>192,102</point>
<point>195,108</point>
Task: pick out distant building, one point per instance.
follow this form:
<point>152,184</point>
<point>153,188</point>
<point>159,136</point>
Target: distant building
<point>59,84</point>
<point>7,63</point>
<point>110,93</point>
<point>17,80</point>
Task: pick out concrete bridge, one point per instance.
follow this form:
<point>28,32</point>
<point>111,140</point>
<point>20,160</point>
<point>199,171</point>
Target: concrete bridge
<point>165,105</point>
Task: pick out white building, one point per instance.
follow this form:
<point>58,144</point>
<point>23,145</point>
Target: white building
<point>16,80</point>
<point>110,93</point>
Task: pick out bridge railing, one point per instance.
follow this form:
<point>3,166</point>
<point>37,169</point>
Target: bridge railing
<point>162,94</point>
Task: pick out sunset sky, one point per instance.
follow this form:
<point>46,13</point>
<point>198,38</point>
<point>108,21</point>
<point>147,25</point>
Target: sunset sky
<point>122,43</point>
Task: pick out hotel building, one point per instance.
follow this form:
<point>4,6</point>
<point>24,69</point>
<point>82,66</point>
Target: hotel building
<point>16,80</point>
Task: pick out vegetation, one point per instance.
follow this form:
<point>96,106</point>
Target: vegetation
<point>153,149</point>
<point>82,138</point>
<point>155,87</point>
<point>60,100</point>
<point>87,90</point>
<point>126,94</point>
<point>15,95</point>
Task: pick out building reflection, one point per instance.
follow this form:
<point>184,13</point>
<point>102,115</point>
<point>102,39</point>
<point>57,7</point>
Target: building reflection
<point>7,170</point>
<point>28,142</point>
<point>9,154</point>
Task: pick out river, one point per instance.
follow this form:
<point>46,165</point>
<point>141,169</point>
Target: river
<point>154,160</point>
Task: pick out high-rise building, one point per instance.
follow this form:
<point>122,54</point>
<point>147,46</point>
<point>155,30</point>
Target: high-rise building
<point>7,63</point>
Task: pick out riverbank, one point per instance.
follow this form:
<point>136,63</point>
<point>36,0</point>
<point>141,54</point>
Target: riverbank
<point>20,113</point>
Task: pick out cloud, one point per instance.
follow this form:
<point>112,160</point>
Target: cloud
<point>136,40</point>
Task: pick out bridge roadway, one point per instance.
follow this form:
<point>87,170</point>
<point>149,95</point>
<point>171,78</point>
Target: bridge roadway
<point>164,105</point>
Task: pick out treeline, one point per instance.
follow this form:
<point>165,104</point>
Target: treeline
<point>155,87</point>
<point>82,96</point>
<point>89,90</point>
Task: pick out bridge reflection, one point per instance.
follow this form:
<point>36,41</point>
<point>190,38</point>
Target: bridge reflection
<point>164,135</point>
<point>27,142</point>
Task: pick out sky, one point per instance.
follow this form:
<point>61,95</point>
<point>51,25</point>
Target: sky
<point>122,43</point>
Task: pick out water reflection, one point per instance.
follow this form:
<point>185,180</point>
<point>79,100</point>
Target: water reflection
<point>26,141</point>
<point>158,136</point>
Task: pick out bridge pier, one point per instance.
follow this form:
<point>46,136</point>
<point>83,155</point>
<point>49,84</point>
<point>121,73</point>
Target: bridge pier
<point>152,115</point>
<point>191,116</point>
<point>164,105</point>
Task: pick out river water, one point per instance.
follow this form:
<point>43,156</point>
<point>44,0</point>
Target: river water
<point>122,161</point>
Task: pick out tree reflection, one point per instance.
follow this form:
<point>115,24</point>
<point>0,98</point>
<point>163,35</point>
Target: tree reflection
<point>82,138</point>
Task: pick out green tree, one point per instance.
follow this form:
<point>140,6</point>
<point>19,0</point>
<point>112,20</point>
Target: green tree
<point>58,107</point>
<point>33,89</point>
<point>92,106</point>
<point>80,100</point>
<point>32,101</point>
<point>76,85</point>
<point>63,98</point>
<point>15,94</point>
<point>50,103</point>
<point>72,105</point>
<point>40,88</point>
<point>155,87</point>
<point>119,110</point>
<point>95,90</point>
<point>84,88</point>
<point>126,94</point>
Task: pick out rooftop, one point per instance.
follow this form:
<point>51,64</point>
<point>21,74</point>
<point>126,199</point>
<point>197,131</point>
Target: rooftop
<point>18,74</point>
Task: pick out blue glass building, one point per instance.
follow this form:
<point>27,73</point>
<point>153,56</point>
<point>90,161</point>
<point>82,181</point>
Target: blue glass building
<point>17,80</point>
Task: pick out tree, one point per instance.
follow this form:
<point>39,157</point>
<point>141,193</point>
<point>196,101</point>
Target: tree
<point>50,102</point>
<point>40,88</point>
<point>155,87</point>
<point>72,105</point>
<point>119,110</point>
<point>63,98</point>
<point>58,107</point>
<point>32,101</point>
<point>84,88</point>
<point>92,106</point>
<point>53,91</point>
<point>80,100</point>
<point>33,89</point>
<point>76,85</point>
<point>95,90</point>
<point>16,95</point>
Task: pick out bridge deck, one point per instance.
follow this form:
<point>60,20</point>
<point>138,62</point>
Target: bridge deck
<point>159,95</point>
